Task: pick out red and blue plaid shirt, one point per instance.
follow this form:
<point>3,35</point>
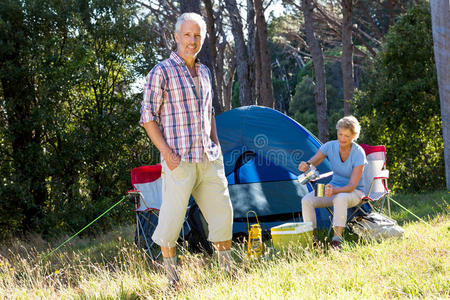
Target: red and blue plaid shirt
<point>184,117</point>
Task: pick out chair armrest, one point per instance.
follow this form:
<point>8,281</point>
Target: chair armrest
<point>134,195</point>
<point>383,174</point>
<point>324,175</point>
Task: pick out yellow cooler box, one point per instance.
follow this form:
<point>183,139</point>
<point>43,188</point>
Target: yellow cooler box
<point>292,233</point>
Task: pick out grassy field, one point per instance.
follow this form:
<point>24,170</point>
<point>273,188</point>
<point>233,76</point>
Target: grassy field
<point>111,267</point>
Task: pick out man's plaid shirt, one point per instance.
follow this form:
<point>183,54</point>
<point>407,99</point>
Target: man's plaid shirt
<point>170,99</point>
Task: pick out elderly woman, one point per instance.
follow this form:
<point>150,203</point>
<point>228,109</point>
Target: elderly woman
<point>345,189</point>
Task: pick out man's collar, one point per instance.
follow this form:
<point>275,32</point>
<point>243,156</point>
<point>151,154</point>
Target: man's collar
<point>179,60</point>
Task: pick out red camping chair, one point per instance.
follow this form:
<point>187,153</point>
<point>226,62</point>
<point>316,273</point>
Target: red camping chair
<point>375,177</point>
<point>147,195</point>
<point>146,181</point>
<point>375,182</point>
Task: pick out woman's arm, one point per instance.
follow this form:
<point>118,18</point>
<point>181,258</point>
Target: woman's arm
<point>350,187</point>
<point>316,160</point>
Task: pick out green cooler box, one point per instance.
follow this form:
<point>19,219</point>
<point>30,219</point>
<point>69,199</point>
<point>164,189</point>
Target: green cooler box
<point>292,233</point>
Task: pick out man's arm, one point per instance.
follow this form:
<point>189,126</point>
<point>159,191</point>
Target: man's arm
<point>213,134</point>
<point>153,99</point>
<point>154,133</point>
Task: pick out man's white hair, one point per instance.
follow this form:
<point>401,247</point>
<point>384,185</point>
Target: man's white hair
<point>192,17</point>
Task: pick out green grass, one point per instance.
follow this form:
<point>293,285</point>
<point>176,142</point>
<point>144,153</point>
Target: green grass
<point>111,267</point>
<point>424,206</point>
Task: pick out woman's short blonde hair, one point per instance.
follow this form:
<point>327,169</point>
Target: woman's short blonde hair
<point>350,123</point>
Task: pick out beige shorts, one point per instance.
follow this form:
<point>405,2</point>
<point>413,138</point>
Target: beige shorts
<point>208,185</point>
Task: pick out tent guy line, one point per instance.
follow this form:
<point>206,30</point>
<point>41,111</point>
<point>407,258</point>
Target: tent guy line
<point>92,222</point>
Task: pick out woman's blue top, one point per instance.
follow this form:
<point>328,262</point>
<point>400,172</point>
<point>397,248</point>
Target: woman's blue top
<point>342,171</point>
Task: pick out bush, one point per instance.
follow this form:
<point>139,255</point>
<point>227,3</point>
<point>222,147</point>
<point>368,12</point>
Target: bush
<point>399,104</point>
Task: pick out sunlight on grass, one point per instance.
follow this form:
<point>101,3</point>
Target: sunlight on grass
<point>112,267</point>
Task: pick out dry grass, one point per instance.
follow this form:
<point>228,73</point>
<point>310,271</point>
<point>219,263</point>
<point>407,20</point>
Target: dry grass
<point>111,267</point>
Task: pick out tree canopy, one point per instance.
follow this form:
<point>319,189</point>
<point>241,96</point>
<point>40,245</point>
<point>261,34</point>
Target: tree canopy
<point>399,104</point>
<point>69,114</point>
<point>71,77</point>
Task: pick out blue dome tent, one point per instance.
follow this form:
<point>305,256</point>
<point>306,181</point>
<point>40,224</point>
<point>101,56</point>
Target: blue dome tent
<point>262,149</point>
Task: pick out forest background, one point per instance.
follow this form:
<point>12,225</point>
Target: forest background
<point>72,73</point>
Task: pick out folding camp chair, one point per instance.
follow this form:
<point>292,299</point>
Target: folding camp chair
<point>375,177</point>
<point>146,181</point>
<point>147,196</point>
<point>375,183</point>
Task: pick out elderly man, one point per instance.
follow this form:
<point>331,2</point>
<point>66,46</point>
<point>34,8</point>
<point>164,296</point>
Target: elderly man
<point>178,116</point>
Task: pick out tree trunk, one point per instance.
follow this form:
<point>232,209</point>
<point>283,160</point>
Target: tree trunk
<point>390,7</point>
<point>190,6</point>
<point>440,15</point>
<point>228,86</point>
<point>253,57</point>
<point>282,101</point>
<point>347,55</point>
<point>320,92</point>
<point>241,53</point>
<point>266,62</point>
<point>217,66</point>
<point>257,67</point>
<point>204,55</point>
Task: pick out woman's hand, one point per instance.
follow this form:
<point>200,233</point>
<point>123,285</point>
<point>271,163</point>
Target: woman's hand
<point>328,190</point>
<point>303,166</point>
